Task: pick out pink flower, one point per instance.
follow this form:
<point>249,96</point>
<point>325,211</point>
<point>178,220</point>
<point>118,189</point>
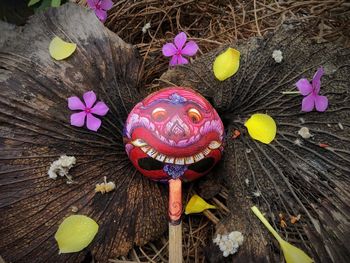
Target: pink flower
<point>100,7</point>
<point>78,119</point>
<point>311,90</point>
<point>176,51</point>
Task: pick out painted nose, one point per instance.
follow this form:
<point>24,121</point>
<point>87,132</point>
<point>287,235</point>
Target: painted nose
<point>176,128</point>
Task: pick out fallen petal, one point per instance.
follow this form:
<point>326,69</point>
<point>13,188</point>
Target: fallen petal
<point>173,61</point>
<point>75,233</point>
<point>89,98</point>
<point>78,119</point>
<point>181,60</point>
<point>316,80</point>
<point>100,109</point>
<point>308,103</point>
<point>321,103</point>
<point>190,49</point>
<point>60,49</point>
<point>197,205</point>
<point>304,86</point>
<point>226,64</point>
<point>74,103</point>
<point>92,3</point>
<point>261,127</point>
<point>180,40</point>
<point>92,122</point>
<point>101,14</point>
<point>106,4</point>
<point>169,50</point>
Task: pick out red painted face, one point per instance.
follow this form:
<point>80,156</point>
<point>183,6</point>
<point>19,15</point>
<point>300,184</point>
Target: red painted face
<point>174,133</point>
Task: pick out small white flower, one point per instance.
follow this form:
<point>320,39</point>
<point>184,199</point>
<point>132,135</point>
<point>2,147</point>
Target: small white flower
<point>222,246</point>
<point>217,239</point>
<point>61,167</point>
<point>257,193</point>
<point>229,243</point>
<point>224,238</point>
<point>146,27</point>
<point>277,56</point>
<point>304,132</point>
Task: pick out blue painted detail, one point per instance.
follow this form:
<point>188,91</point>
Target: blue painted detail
<point>174,170</point>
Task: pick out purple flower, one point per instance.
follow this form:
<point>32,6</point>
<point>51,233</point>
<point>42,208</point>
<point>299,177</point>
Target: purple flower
<point>100,7</point>
<point>311,90</point>
<point>176,51</point>
<point>78,119</point>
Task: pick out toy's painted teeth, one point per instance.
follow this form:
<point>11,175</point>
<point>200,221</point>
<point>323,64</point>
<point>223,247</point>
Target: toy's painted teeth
<point>178,160</point>
<point>139,143</point>
<point>214,145</point>
<point>189,160</point>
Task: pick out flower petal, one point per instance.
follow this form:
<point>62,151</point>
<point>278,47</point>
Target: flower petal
<point>100,109</point>
<point>190,49</point>
<point>226,64</point>
<point>304,86</point>
<point>106,4</point>
<point>60,49</point>
<point>92,122</point>
<point>316,80</point>
<point>92,3</point>
<point>169,50</point>
<point>173,60</point>
<point>101,14</point>
<point>78,119</point>
<point>74,103</point>
<point>308,103</point>
<point>181,60</point>
<point>89,98</point>
<point>75,233</point>
<point>180,40</point>
<point>321,103</point>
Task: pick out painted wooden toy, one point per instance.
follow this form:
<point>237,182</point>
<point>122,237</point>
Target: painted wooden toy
<point>174,135</point>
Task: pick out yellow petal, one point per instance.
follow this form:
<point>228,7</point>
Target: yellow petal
<point>261,127</point>
<point>75,233</point>
<point>226,64</point>
<point>293,254</point>
<point>60,49</point>
<point>197,205</point>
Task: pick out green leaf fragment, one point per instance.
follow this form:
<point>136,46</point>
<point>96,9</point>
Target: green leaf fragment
<point>55,3</point>
<point>33,2</point>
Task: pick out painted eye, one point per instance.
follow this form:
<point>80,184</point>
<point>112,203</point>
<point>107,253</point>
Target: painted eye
<point>194,115</point>
<point>159,114</point>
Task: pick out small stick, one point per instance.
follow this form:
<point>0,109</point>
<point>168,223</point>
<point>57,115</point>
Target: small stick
<point>290,92</point>
<point>175,226</point>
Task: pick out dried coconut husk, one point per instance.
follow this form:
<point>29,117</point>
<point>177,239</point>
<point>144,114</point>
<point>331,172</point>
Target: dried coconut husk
<point>307,179</point>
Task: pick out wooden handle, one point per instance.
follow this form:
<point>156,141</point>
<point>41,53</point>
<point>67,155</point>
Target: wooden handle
<point>175,225</point>
<point>175,201</point>
<point>175,243</point>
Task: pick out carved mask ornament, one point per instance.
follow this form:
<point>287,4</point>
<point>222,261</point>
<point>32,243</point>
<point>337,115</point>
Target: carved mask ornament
<point>174,133</point>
